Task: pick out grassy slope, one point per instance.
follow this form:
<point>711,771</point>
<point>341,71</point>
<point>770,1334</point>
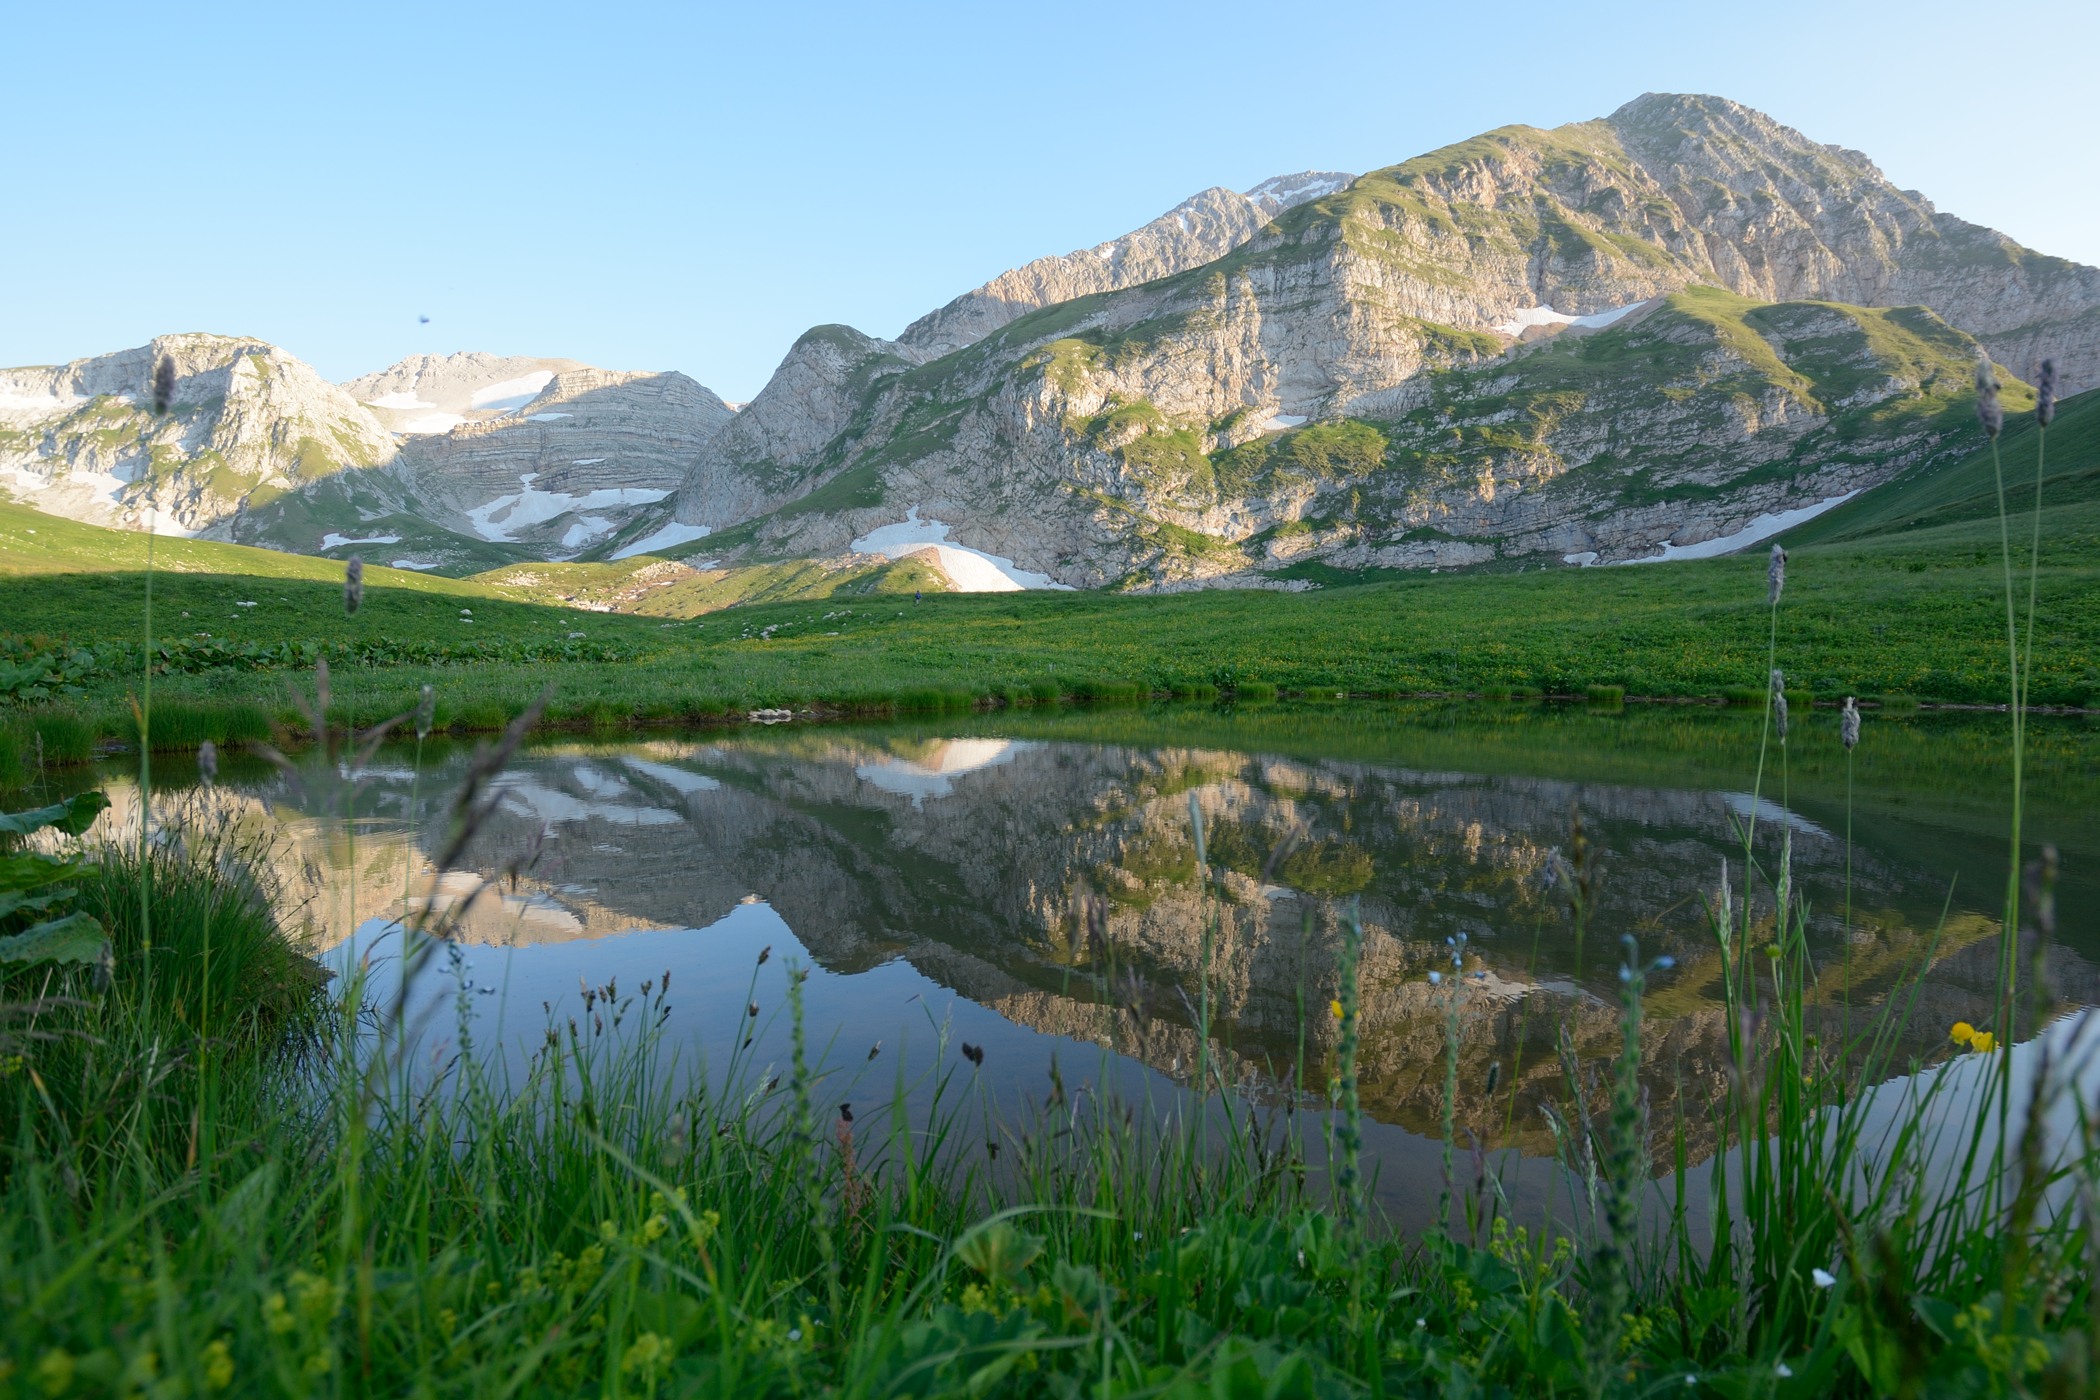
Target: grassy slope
<point>1905,598</point>
<point>653,587</point>
<point>1966,490</point>
<point>1916,614</point>
<point>35,544</point>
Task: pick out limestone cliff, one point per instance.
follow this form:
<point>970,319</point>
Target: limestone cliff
<point>247,423</point>
<point>539,458</point>
<point>1739,325</point>
<point>1200,229</point>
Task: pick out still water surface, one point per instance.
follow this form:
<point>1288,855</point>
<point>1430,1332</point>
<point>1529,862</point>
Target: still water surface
<point>937,881</point>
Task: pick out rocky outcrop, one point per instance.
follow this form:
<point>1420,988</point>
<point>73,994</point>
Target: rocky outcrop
<point>1200,229</point>
<point>540,458</point>
<point>247,422</point>
<point>435,393</point>
<point>766,457</point>
<point>1672,329</point>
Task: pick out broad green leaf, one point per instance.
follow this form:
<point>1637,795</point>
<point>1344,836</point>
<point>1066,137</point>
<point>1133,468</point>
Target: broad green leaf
<point>71,817</point>
<point>14,903</point>
<point>30,870</point>
<point>76,938</point>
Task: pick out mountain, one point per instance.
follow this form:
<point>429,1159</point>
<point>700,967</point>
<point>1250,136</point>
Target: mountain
<point>503,458</point>
<point>1198,230</point>
<point>247,423</point>
<point>1677,328</point>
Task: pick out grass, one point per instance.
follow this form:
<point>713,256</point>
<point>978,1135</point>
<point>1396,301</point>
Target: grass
<point>1914,613</point>
<point>1896,594</point>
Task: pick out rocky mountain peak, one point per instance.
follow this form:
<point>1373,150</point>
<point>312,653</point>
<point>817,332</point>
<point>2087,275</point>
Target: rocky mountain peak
<point>246,417</point>
<point>1199,230</point>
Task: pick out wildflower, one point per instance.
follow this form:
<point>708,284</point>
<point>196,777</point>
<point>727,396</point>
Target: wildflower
<point>649,1356</point>
<point>1966,1034</point>
<point>426,712</point>
<point>1988,411</point>
<point>218,1364</point>
<point>1336,1008</point>
<point>1436,979</point>
<point>1823,1278</point>
<point>973,1053</point>
<point>55,1372</point>
<point>208,762</point>
<point>353,586</point>
<point>2045,394</point>
<point>163,385</point>
<point>1783,1371</point>
<point>1848,724</point>
<point>1665,963</point>
<point>1775,575</point>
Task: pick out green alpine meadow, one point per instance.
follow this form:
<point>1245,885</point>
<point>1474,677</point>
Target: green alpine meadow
<point>1477,778</point>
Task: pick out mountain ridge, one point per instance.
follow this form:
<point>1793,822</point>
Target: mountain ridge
<point>1049,439</point>
<point>1660,331</point>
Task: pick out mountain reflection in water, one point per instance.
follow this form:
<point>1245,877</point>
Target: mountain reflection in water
<point>943,879</point>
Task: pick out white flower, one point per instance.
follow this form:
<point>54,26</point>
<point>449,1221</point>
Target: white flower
<point>1435,978</point>
<point>1823,1278</point>
<point>1783,1371</point>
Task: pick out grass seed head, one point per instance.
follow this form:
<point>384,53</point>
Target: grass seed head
<point>208,762</point>
<point>1988,410</point>
<point>1775,575</point>
<point>1848,724</point>
<point>1779,703</point>
<point>2045,394</point>
<point>353,586</point>
<point>163,385</point>
<point>426,712</point>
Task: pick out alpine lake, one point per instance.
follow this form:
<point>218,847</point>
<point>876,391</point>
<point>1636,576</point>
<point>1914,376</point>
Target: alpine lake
<point>1028,885</point>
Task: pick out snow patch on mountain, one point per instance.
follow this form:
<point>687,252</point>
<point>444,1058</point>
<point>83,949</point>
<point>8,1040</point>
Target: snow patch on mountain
<point>497,521</point>
<point>508,394</point>
<point>669,537</point>
<point>1530,316</point>
<point>971,570</point>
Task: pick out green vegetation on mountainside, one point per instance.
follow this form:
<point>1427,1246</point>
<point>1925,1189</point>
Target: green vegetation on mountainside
<point>1687,377</point>
<point>1965,491</point>
<point>35,544</point>
<point>1916,614</point>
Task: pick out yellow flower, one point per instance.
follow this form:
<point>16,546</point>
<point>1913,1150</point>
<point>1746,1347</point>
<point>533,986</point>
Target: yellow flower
<point>649,1356</point>
<point>1983,1042</point>
<point>1962,1033</point>
<point>218,1364</point>
<point>54,1373</point>
<point>1336,1008</point>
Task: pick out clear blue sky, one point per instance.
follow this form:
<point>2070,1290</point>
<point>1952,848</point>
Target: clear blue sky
<point>690,186</point>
